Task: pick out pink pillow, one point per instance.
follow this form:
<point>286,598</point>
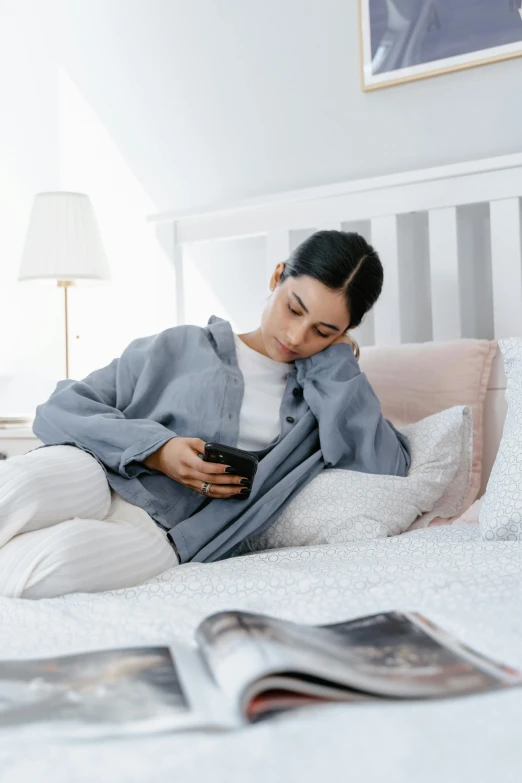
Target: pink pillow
<point>469,517</point>
<point>415,380</point>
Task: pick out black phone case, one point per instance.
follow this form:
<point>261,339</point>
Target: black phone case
<point>242,461</point>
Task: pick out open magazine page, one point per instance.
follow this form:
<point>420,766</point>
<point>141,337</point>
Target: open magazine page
<point>391,654</point>
<point>270,695</point>
<point>242,651</point>
<point>235,656</point>
<point>117,691</point>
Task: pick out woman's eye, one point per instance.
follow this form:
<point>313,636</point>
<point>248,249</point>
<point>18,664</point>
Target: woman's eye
<point>317,330</point>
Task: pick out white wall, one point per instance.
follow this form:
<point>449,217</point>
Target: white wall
<point>152,105</point>
<point>212,100</point>
<point>28,163</point>
<point>52,138</point>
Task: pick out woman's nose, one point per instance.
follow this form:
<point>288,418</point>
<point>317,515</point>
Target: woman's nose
<point>293,341</point>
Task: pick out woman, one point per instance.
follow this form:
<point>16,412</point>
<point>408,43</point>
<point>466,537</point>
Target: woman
<point>118,493</point>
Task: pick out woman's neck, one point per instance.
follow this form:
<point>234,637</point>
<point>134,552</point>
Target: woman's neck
<point>255,341</point>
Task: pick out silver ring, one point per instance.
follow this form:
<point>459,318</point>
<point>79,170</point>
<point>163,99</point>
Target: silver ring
<point>205,487</point>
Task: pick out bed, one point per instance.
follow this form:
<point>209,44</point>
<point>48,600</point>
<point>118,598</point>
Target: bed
<point>467,220</point>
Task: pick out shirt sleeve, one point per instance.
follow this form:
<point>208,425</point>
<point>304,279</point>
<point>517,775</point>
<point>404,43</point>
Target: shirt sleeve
<point>88,414</point>
<point>352,430</point>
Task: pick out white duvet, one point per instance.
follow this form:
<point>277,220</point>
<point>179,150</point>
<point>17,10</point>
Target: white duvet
<point>469,586</point>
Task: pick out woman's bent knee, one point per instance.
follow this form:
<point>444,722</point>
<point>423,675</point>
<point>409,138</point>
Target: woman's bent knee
<point>82,555</point>
<point>61,482</point>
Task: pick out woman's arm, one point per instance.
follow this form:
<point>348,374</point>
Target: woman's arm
<point>87,414</point>
<point>352,430</point>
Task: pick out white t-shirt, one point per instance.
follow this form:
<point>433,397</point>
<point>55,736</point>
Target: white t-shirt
<point>265,383</point>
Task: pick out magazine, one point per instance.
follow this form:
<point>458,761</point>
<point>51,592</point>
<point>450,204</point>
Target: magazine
<point>244,668</point>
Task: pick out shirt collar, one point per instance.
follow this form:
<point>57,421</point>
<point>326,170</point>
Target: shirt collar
<point>222,336</point>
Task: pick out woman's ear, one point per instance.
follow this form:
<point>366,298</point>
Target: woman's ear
<point>278,271</point>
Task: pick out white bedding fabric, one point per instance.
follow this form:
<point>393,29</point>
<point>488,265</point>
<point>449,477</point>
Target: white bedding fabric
<point>469,586</point>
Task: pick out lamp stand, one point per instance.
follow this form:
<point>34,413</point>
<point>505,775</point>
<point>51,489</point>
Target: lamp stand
<point>65,284</point>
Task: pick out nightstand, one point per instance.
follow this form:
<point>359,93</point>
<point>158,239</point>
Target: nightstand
<point>19,440</point>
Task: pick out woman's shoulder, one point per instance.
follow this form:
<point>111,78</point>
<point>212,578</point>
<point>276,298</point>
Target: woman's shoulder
<point>168,340</point>
<point>181,331</point>
<point>183,335</point>
<point>175,340</point>
<point>194,335</point>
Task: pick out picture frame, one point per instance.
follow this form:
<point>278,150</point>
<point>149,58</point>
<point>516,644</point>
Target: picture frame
<point>404,40</point>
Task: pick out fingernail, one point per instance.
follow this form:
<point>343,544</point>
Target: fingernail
<point>230,470</point>
<point>246,482</point>
<point>244,492</point>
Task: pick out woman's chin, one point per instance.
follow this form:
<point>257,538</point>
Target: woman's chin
<point>280,355</point>
<point>277,357</point>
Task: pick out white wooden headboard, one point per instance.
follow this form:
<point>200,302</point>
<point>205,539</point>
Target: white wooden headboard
<point>450,239</point>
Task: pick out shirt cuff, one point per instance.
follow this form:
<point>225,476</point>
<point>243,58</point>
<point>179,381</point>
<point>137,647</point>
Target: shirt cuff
<point>132,464</point>
<point>321,363</point>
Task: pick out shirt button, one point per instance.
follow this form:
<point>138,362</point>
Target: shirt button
<point>297,391</point>
<point>290,419</point>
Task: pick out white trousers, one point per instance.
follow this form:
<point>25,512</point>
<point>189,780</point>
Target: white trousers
<point>64,530</point>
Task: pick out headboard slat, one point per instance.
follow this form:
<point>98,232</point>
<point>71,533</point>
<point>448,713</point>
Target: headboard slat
<point>444,274</point>
<point>387,314</point>
<point>506,254</point>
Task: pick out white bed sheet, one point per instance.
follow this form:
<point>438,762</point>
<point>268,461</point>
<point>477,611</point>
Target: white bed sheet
<point>469,586</point>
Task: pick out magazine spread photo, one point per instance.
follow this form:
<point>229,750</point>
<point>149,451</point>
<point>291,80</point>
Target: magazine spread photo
<point>246,667</point>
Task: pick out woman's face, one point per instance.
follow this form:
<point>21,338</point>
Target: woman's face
<point>302,314</point>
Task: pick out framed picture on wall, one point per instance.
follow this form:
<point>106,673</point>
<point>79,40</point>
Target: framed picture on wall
<point>402,40</point>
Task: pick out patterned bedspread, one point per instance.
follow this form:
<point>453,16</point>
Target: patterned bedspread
<point>470,587</point>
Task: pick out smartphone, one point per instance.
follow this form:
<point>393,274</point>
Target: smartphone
<point>244,462</point>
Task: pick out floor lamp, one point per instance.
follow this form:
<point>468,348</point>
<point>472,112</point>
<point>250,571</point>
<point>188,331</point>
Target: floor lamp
<point>63,243</point>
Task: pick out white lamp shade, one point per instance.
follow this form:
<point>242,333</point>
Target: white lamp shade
<point>63,240</point>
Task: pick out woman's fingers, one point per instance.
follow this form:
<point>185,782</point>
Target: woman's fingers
<point>221,479</point>
<point>223,485</point>
<point>209,471</point>
<point>195,460</point>
<point>349,340</point>
<point>208,468</point>
<point>218,490</point>
<point>214,478</point>
<point>196,445</point>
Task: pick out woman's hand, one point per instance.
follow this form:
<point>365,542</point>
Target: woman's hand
<point>178,459</point>
<point>345,338</point>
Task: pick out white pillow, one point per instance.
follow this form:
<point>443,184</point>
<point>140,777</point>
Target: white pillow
<point>500,517</point>
<point>339,506</point>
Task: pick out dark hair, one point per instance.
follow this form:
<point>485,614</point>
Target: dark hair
<point>341,260</point>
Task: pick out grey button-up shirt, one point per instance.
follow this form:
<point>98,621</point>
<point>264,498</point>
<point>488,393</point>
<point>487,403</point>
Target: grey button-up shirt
<point>186,381</point>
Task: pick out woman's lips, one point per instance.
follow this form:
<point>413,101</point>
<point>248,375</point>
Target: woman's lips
<point>286,350</point>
